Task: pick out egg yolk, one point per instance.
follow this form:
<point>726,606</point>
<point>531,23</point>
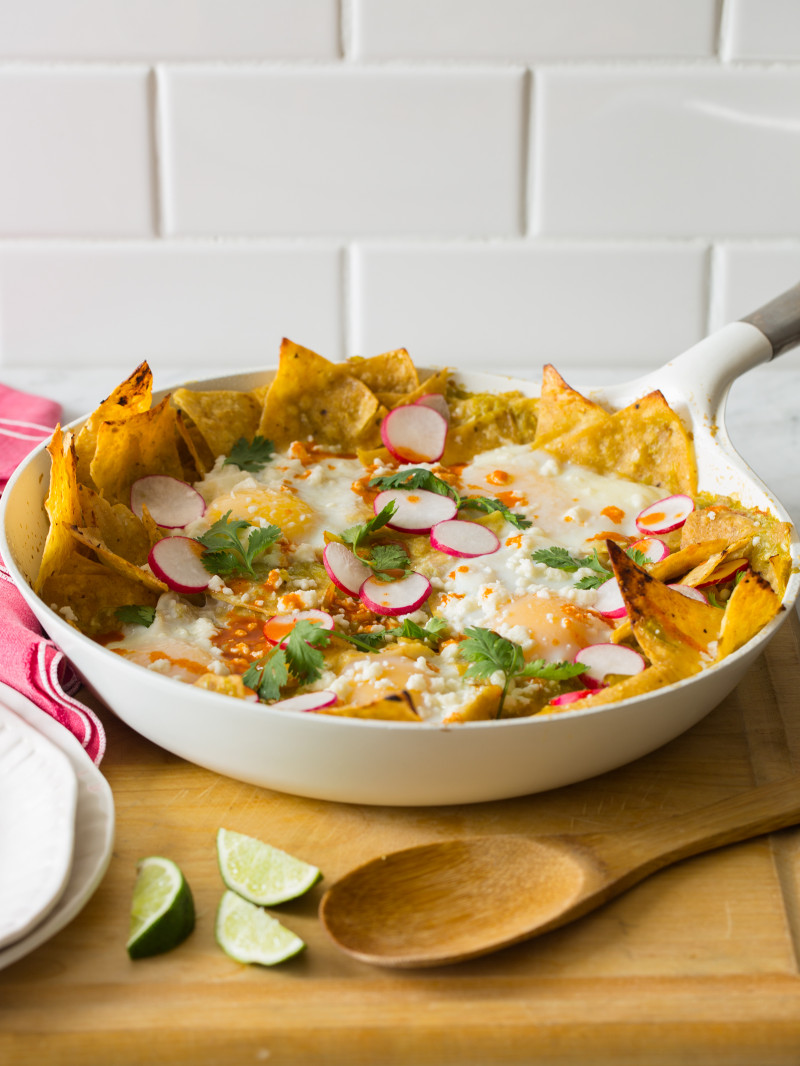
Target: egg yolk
<point>282,509</point>
<point>559,628</point>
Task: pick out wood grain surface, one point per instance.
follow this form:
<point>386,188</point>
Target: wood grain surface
<point>698,964</point>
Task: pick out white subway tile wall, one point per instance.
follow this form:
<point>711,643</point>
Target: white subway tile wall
<point>494,183</point>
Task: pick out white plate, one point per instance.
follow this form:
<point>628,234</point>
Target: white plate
<point>38,797</point>
<point>93,827</point>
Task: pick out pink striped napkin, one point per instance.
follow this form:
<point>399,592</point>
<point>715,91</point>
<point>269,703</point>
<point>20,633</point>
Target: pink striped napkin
<point>29,661</point>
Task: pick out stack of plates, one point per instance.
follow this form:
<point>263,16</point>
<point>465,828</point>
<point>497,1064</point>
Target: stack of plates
<point>56,826</point>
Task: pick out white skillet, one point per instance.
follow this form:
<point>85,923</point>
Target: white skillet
<point>396,763</point>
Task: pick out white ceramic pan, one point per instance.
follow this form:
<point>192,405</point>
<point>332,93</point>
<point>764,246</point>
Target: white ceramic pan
<point>393,763</point>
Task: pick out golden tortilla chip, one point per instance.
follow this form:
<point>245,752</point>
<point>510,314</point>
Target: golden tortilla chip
<point>562,409</point>
<point>117,563</point>
<point>392,372</point>
<point>310,397</point>
<point>398,707</point>
<point>657,611</point>
<point>481,708</point>
<point>131,397</point>
<point>479,423</point>
<point>645,441</point>
<point>437,382</point>
<point>751,605</point>
<point>145,443</point>
<point>63,506</point>
<point>115,525</point>
<point>650,679</point>
<point>220,417</point>
<point>90,592</point>
<point>682,562</point>
<point>231,685</point>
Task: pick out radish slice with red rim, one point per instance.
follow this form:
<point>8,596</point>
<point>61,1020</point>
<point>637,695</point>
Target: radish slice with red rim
<point>570,697</point>
<point>396,597</point>
<point>278,628</point>
<point>344,568</point>
<point>414,433</point>
<point>690,592</point>
<point>726,570</point>
<point>466,540</point>
<point>437,402</point>
<point>176,561</point>
<point>604,659</point>
<point>609,601</point>
<point>309,701</point>
<point>665,515</point>
<point>417,509</point>
<point>653,549</point>
<point>172,503</point>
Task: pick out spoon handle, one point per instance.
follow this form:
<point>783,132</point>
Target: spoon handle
<point>779,320</point>
<point>748,814</point>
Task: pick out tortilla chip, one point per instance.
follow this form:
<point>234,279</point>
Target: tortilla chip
<point>90,593</point>
<point>119,529</point>
<point>562,409</point>
<point>658,612</point>
<point>220,417</point>
<point>230,685</point>
<point>780,568</point>
<point>398,707</point>
<point>63,506</point>
<point>751,605</point>
<point>311,397</point>
<point>645,441</point>
<point>479,423</point>
<point>392,372</point>
<point>650,679</point>
<point>117,563</point>
<point>481,708</point>
<point>145,443</point>
<point>682,562</point>
<point>129,398</point>
<point>437,382</point>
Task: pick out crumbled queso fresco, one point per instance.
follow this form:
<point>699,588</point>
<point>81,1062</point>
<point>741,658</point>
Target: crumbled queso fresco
<point>212,639</point>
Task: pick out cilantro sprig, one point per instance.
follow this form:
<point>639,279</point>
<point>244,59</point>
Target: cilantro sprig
<point>228,553</point>
<point>420,478</point>
<point>560,559</point>
<point>488,652</point>
<point>136,614</point>
<point>299,656</point>
<point>433,630</point>
<point>369,640</point>
<point>380,558</point>
<point>250,455</point>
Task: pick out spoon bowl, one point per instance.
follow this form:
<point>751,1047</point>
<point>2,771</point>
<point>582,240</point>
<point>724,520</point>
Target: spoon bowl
<point>452,900</point>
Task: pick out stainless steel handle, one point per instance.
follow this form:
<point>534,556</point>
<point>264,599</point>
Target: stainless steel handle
<point>779,320</point>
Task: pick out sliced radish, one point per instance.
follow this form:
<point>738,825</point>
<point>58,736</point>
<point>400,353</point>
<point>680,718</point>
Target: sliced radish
<point>176,560</point>
<point>396,597</point>
<point>345,569</point>
<point>609,601</point>
<point>309,701</point>
<point>665,515</point>
<point>278,628</point>
<point>690,592</point>
<point>414,433</point>
<point>437,402</point>
<point>417,509</point>
<point>464,539</point>
<point>727,569</point>
<point>172,504</point>
<point>570,697</point>
<point>604,659</point>
<point>653,549</point>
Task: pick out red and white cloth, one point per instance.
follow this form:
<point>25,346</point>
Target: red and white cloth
<point>29,661</point>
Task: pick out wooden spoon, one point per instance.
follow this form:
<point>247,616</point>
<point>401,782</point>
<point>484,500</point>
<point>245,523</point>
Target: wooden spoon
<point>457,899</point>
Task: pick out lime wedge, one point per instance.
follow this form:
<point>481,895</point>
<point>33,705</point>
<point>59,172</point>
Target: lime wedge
<point>162,912</point>
<point>248,934</point>
<point>261,873</point>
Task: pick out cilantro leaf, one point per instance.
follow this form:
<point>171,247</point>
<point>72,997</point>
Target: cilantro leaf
<point>488,652</point>
<point>136,614</point>
<point>356,535</point>
<point>266,675</point>
<point>250,456</point>
<point>432,630</point>
<point>387,557</point>
<point>560,559</point>
<point>367,641</point>
<point>303,656</point>
<point>638,557</point>
<point>226,553</point>
<point>489,505</point>
<point>415,478</point>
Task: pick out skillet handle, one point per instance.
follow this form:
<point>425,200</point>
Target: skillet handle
<point>779,320</point>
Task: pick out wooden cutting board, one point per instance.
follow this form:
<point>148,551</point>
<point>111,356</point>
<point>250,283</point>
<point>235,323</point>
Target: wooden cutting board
<point>699,964</point>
